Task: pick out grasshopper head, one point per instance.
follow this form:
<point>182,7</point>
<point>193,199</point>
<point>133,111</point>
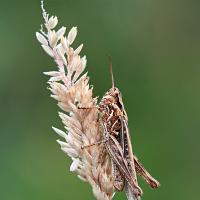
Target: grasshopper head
<point>114,97</point>
<point>114,93</point>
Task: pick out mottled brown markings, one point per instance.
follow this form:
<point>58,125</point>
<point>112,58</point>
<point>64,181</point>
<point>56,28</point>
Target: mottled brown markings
<point>118,145</point>
<point>116,138</point>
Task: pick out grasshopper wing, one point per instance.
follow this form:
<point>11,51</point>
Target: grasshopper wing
<point>131,158</point>
<point>117,155</point>
<point>126,145</point>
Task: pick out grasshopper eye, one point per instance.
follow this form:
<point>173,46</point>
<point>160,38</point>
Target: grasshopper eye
<point>116,97</point>
<point>110,106</point>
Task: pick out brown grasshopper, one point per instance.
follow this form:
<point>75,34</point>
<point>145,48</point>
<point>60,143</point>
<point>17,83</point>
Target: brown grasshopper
<point>116,137</point>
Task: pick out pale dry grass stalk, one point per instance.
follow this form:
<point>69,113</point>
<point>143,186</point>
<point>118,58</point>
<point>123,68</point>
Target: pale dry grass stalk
<point>71,89</point>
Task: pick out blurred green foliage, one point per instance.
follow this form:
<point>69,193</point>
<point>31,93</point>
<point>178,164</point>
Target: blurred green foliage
<point>155,48</point>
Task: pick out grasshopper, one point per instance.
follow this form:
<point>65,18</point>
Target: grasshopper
<point>116,138</point>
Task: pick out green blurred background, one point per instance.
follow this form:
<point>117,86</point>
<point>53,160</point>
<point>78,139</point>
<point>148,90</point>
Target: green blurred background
<point>155,48</point>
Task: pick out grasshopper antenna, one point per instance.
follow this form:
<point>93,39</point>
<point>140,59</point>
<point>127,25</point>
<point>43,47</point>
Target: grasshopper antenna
<point>111,71</point>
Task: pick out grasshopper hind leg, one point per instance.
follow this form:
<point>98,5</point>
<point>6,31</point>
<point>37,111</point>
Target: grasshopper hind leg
<point>118,181</point>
